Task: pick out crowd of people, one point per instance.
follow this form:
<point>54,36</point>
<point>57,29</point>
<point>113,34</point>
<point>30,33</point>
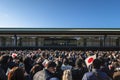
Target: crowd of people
<point>59,65</point>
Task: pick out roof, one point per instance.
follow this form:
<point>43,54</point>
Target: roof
<point>61,31</point>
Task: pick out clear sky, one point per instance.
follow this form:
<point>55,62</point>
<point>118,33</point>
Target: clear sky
<point>60,13</point>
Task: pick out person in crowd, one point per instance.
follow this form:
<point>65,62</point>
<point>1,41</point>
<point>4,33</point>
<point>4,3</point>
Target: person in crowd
<point>105,68</point>
<point>72,60</point>
<point>96,73</point>
<point>2,75</point>
<point>47,73</point>
<point>16,73</point>
<point>26,75</point>
<point>79,70</point>
<point>43,55</point>
<point>39,61</point>
<point>67,75</point>
<point>116,75</point>
<point>66,65</point>
<point>59,72</point>
<point>4,60</point>
<point>28,64</point>
<point>34,70</point>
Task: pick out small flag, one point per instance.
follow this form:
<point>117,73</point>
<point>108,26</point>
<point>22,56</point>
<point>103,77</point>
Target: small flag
<point>14,55</point>
<point>90,60</point>
<point>44,63</point>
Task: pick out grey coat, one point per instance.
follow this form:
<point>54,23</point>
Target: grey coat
<point>41,75</point>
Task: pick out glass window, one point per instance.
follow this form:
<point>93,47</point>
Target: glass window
<point>110,41</point>
<point>28,41</point>
<point>93,42</point>
<point>40,41</point>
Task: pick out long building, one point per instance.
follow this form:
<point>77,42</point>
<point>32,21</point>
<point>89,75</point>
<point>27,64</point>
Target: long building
<point>60,38</point>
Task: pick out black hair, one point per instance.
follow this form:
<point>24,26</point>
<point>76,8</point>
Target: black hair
<point>51,64</point>
<point>97,63</point>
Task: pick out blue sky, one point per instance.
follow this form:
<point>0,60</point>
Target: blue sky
<point>60,13</point>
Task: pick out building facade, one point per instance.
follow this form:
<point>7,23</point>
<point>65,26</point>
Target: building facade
<point>77,38</point>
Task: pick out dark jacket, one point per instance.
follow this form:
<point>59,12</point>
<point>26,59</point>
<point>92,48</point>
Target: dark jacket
<point>78,73</point>
<point>2,75</point>
<point>96,74</point>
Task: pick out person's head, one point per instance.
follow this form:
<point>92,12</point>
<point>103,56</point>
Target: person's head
<point>79,63</point>
<point>43,55</point>
<point>22,65</point>
<point>27,61</point>
<point>67,75</point>
<point>59,64</point>
<point>16,73</point>
<point>65,61</point>
<point>12,64</point>
<point>51,66</point>
<point>96,64</point>
<point>35,69</point>
<point>4,59</point>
